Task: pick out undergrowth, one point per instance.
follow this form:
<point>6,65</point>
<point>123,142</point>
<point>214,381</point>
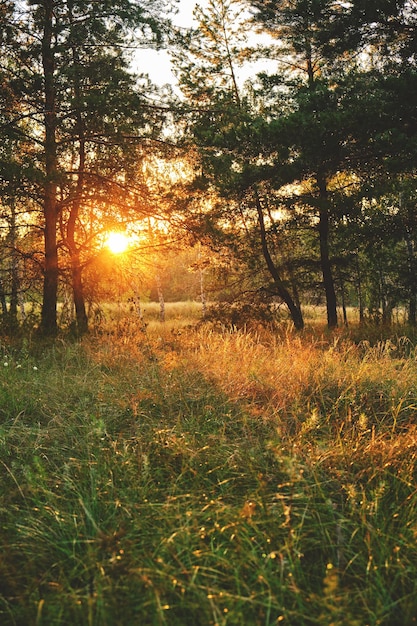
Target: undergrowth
<point>201,477</point>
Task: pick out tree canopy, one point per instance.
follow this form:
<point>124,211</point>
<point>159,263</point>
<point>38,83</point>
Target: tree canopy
<point>289,172</point>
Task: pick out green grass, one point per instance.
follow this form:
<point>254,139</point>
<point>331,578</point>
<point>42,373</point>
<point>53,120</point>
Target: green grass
<point>184,476</point>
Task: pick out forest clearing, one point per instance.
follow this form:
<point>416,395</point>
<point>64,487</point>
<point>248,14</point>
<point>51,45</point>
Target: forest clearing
<point>182,473</point>
<point>208,313</point>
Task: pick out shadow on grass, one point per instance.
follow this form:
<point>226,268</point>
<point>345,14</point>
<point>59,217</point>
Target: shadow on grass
<point>136,491</point>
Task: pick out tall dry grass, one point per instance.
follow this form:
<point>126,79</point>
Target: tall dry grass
<point>181,475</point>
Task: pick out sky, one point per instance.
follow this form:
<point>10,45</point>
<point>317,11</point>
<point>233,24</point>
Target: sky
<point>156,63</point>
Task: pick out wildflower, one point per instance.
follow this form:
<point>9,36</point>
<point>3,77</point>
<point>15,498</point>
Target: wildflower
<point>6,364</point>
<point>363,422</point>
<point>18,366</point>
<point>35,369</point>
<point>312,422</point>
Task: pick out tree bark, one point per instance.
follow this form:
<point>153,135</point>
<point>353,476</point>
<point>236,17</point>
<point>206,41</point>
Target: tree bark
<point>386,301</point>
<point>50,282</point>
<point>359,289</point>
<point>283,292</point>
<point>412,266</point>
<point>14,275</point>
<point>75,206</point>
<point>328,282</point>
<point>324,213</point>
<point>202,289</point>
<point>343,299</point>
<point>78,295</point>
<point>3,302</point>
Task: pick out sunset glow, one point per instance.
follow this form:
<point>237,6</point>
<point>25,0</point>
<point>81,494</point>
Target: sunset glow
<point>117,243</point>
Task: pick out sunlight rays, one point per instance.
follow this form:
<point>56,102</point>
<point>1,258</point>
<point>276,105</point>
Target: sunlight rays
<point>117,242</point>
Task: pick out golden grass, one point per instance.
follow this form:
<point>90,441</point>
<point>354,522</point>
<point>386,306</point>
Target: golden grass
<point>176,474</point>
<point>279,374</point>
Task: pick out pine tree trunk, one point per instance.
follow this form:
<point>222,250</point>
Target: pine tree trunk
<point>343,298</point>
<point>76,267</point>
<point>359,291</point>
<point>202,288</point>
<point>78,295</point>
<point>328,282</point>
<point>412,265</point>
<point>202,294</point>
<point>282,291</point>
<point>3,302</point>
<point>50,282</point>
<point>15,283</point>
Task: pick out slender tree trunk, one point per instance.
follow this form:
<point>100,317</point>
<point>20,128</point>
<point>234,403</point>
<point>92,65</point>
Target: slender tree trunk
<point>231,66</point>
<point>50,283</point>
<point>412,267</point>
<point>3,302</point>
<point>73,248</point>
<point>15,283</point>
<point>328,282</point>
<point>22,307</point>
<point>202,287</point>
<point>157,278</point>
<point>342,296</point>
<point>137,304</point>
<point>386,302</point>
<point>14,292</point>
<point>76,266</point>
<point>78,295</point>
<point>412,311</point>
<point>359,290</point>
<point>309,65</point>
<point>76,270</point>
<point>202,294</point>
<point>283,292</point>
<point>160,297</point>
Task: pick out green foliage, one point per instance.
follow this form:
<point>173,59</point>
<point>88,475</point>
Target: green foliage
<point>318,152</point>
<point>76,114</point>
<point>242,315</point>
<point>327,137</point>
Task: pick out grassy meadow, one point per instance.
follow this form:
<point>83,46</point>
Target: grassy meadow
<point>180,474</point>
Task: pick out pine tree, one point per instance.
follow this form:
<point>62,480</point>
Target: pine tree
<point>81,105</point>
<point>224,127</point>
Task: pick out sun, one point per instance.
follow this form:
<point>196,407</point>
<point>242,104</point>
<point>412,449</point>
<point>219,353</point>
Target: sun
<point>117,243</point>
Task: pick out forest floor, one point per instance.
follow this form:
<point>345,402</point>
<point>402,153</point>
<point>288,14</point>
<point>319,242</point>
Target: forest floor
<point>190,475</point>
